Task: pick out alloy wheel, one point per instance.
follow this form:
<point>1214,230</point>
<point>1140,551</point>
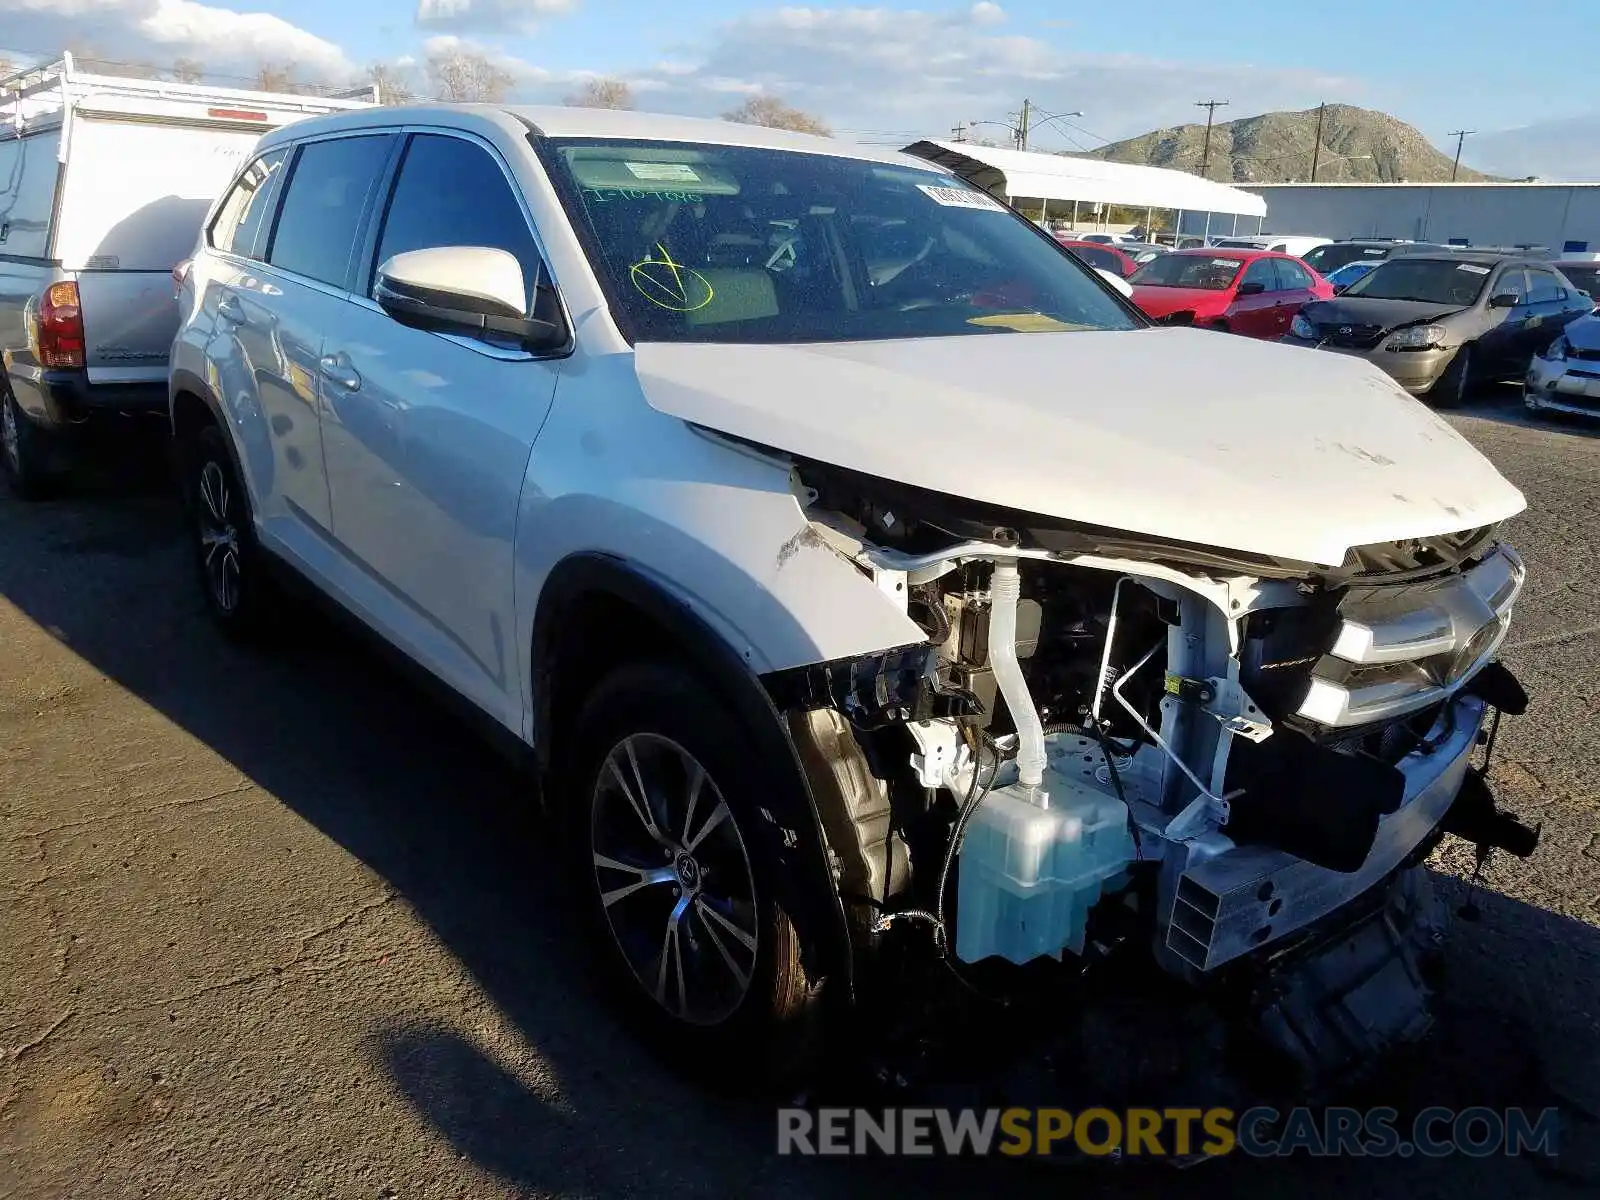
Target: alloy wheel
<point>674,879</point>
<point>219,539</point>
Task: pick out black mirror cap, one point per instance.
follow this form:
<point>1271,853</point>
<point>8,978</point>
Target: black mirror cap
<point>1503,300</point>
<point>1338,288</point>
<point>1183,316</point>
<point>1251,289</point>
<point>470,316</point>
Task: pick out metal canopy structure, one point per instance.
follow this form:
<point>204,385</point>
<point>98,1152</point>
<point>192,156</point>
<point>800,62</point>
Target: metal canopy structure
<point>1022,174</point>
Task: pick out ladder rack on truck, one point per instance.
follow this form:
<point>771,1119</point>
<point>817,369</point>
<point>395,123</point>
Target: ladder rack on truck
<point>105,182</point>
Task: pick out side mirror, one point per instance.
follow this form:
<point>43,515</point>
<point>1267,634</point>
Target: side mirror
<point>1251,289</point>
<point>1338,288</point>
<point>1503,300</point>
<point>1183,316</point>
<point>469,290</point>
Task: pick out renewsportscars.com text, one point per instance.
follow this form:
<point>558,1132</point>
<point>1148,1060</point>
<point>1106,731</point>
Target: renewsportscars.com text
<point>1168,1132</point>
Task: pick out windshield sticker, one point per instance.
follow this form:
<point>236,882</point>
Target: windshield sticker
<point>1374,250</point>
<point>670,285</point>
<point>662,172</point>
<point>1224,262</point>
<point>959,197</point>
<point>1474,268</point>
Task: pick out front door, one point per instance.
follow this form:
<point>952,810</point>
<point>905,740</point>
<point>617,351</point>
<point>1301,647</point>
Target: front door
<point>1500,347</point>
<point>428,435</point>
<point>1254,314</point>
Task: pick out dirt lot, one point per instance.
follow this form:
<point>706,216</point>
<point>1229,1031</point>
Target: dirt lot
<point>277,926</point>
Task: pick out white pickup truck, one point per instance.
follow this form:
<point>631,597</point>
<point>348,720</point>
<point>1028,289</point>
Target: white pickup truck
<point>103,182</point>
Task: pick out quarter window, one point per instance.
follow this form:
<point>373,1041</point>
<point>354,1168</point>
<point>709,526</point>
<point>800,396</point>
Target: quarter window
<point>323,204</point>
<point>239,221</point>
<point>452,192</point>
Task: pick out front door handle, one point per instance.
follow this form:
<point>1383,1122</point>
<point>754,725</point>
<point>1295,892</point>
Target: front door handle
<point>230,309</point>
<point>336,369</point>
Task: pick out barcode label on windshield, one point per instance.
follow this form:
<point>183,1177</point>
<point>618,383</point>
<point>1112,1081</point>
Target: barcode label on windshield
<point>955,197</point>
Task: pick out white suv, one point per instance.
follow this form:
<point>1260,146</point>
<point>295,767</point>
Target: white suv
<point>858,567</point>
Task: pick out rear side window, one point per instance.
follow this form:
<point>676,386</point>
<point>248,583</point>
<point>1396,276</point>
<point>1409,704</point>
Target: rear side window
<point>239,221</point>
<point>452,192</point>
<point>1293,276</point>
<point>323,204</point>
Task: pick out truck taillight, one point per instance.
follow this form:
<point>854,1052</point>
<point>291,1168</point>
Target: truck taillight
<point>180,276</point>
<point>58,328</point>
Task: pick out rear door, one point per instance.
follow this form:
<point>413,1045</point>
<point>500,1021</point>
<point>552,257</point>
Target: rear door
<point>133,196</point>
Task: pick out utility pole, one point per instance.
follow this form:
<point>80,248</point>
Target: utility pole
<point>1316,149</point>
<point>1211,107</point>
<point>1022,124</point>
<point>958,131</point>
<point>1460,135</point>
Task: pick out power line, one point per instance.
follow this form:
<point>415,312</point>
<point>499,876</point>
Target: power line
<point>1460,135</point>
<point>1211,107</point>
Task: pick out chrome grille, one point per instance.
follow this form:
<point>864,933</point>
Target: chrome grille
<point>1350,336</point>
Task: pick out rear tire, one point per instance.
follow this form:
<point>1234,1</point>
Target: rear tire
<point>24,451</point>
<point>1452,389</point>
<point>228,560</point>
<point>660,819</point>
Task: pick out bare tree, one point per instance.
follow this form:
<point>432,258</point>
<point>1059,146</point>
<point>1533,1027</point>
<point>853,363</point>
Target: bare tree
<point>396,85</point>
<point>465,77</point>
<point>88,57</point>
<point>275,77</point>
<point>775,114</point>
<point>188,70</point>
<point>602,93</point>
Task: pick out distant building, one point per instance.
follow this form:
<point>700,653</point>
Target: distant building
<point>1565,217</point>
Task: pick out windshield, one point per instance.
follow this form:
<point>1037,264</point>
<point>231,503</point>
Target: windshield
<point>704,243</point>
<point>1428,280</point>
<point>1188,271</point>
<point>1584,277</point>
<point>1350,272</point>
<point>1336,254</point>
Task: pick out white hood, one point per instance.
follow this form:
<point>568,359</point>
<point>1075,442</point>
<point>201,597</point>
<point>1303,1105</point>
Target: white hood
<point>1182,434</point>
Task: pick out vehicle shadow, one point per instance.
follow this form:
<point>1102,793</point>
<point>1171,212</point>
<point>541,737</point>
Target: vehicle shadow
<point>1503,405</point>
<point>333,734</point>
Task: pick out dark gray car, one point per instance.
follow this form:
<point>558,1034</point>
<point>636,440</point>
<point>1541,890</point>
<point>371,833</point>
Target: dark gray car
<point>1439,324</point>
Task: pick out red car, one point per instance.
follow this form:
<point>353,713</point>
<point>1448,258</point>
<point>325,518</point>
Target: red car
<point>1253,292</point>
<point>1105,258</point>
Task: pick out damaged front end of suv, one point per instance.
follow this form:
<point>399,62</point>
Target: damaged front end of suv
<point>1234,763</point>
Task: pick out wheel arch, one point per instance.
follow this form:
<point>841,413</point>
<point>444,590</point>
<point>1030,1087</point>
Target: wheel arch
<point>191,405</point>
<point>597,611</point>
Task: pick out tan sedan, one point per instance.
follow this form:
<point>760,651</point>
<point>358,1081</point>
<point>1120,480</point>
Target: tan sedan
<point>1441,324</point>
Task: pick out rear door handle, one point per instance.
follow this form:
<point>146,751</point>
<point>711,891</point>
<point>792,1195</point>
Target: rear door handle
<point>230,309</point>
<point>337,370</point>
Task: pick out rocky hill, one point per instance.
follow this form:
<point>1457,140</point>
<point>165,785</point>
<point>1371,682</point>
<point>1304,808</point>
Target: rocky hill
<point>1359,145</point>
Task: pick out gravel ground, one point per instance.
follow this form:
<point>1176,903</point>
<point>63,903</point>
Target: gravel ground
<point>278,926</point>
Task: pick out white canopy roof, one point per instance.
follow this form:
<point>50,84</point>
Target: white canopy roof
<point>1022,173</point>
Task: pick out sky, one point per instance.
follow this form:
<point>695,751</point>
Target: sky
<point>890,71</point>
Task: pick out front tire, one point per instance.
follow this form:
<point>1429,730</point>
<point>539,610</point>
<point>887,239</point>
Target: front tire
<point>227,558</point>
<point>662,821</point>
<point>1452,389</point>
<point>24,453</point>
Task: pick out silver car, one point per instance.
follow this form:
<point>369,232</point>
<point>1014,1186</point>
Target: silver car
<point>1565,377</point>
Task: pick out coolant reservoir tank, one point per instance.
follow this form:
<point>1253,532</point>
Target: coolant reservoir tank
<point>1029,875</point>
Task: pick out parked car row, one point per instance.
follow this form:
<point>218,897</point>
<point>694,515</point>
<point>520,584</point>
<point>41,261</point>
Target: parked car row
<point>798,515</point>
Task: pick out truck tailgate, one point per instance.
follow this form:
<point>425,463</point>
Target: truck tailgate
<point>129,321</point>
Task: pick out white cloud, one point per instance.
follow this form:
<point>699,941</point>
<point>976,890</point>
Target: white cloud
<point>159,31</point>
<point>1563,149</point>
<point>921,71</point>
<point>488,16</point>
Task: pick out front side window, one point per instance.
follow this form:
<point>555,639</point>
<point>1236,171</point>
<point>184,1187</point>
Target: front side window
<point>452,192</point>
<point>1261,272</point>
<point>323,205</point>
<point>1427,280</point>
<point>1183,270</point>
<point>703,243</point>
<point>240,218</point>
<point>1584,277</point>
<point>1512,282</point>
<point>1544,288</point>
